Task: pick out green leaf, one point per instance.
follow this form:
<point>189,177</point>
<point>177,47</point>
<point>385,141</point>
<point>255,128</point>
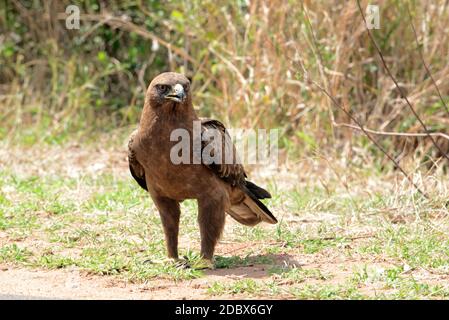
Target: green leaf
<point>177,15</point>
<point>102,56</point>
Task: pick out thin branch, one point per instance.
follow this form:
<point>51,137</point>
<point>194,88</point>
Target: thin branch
<point>320,60</point>
<point>401,134</point>
<point>123,23</point>
<point>348,237</point>
<point>424,62</point>
<point>374,141</point>
<point>370,138</point>
<point>401,92</point>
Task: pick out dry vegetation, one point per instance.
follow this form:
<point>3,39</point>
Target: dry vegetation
<point>352,226</point>
<point>244,59</point>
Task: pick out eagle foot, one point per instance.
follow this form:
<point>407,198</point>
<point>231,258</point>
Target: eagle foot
<point>179,263</point>
<point>202,264</point>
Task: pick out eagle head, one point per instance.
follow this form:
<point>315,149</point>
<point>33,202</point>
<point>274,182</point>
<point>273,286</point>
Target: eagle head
<point>169,89</point>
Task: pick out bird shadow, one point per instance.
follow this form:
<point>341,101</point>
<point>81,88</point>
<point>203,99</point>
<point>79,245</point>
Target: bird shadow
<point>252,266</point>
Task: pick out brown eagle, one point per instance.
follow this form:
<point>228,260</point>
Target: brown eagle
<point>219,188</point>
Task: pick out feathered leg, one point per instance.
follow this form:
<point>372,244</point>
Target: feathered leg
<point>170,212</point>
<point>211,218</point>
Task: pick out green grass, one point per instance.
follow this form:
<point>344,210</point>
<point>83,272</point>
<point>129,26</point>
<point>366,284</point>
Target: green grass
<point>245,286</point>
<point>417,244</point>
<point>14,253</point>
<point>237,261</point>
<point>396,283</point>
<point>327,292</point>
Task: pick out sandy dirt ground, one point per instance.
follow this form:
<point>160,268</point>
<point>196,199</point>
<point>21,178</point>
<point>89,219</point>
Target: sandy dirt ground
<point>70,283</point>
<point>67,283</point>
<point>19,283</point>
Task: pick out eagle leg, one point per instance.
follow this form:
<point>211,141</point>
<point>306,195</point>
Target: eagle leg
<point>170,212</point>
<point>211,218</point>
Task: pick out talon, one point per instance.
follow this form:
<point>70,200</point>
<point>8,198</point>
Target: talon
<point>181,263</point>
<point>203,264</point>
<point>176,261</point>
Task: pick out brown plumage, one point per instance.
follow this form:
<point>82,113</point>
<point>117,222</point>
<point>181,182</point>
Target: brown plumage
<point>218,187</point>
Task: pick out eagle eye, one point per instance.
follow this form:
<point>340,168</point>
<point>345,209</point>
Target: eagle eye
<point>163,88</point>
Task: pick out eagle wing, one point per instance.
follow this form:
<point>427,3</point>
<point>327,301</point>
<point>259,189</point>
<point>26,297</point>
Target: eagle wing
<point>248,210</point>
<point>137,171</point>
<point>229,168</point>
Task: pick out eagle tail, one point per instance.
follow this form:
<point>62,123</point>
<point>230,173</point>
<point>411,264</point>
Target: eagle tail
<point>251,210</point>
<point>259,192</point>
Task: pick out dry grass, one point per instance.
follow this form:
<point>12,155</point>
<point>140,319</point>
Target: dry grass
<point>245,60</point>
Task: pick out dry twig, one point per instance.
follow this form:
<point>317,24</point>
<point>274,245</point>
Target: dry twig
<point>424,62</point>
<point>368,135</point>
<point>402,134</point>
<point>401,92</point>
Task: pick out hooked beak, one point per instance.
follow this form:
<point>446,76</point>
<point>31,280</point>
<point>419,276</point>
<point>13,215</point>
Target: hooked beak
<point>176,94</point>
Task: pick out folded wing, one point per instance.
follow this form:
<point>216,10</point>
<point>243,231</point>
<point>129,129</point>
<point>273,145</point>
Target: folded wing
<point>135,167</point>
<point>246,207</point>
